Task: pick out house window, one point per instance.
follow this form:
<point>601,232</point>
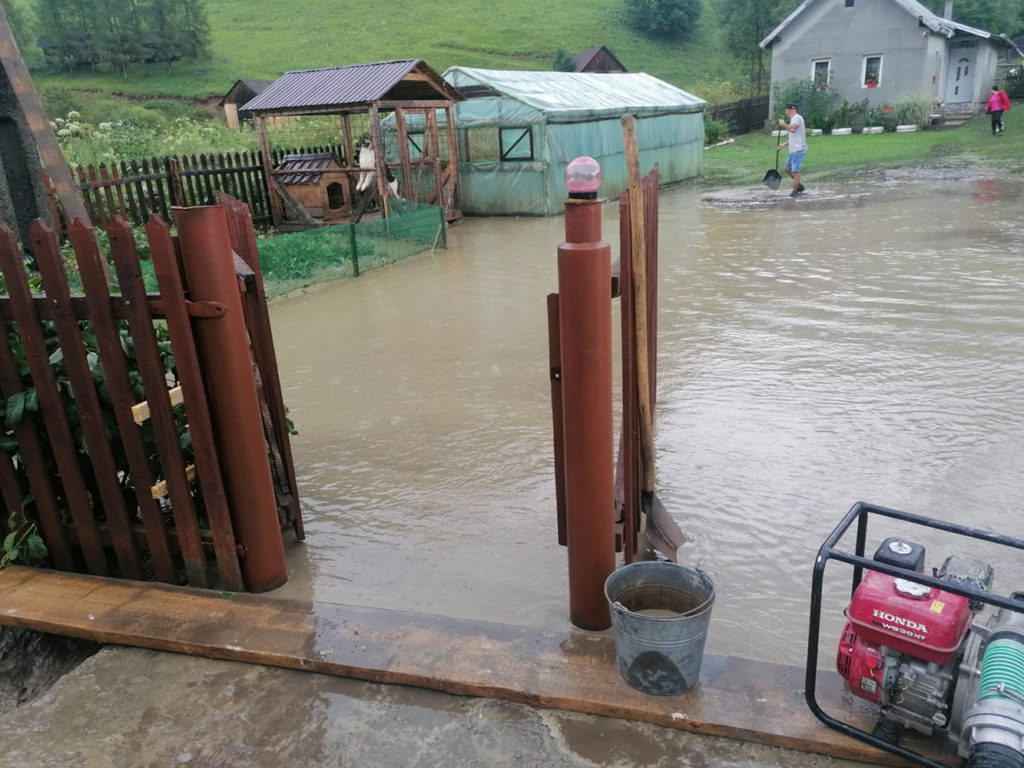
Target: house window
<point>872,72</point>
<point>821,71</point>
<point>517,143</point>
<point>849,3</point>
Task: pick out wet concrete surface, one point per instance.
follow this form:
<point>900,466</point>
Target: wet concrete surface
<point>135,708</point>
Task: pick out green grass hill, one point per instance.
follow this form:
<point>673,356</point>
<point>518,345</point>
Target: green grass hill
<point>262,39</point>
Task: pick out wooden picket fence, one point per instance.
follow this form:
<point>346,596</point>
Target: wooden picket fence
<point>93,452</point>
<point>742,116</point>
<point>135,189</point>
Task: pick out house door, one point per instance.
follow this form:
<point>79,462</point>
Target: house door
<point>960,87</point>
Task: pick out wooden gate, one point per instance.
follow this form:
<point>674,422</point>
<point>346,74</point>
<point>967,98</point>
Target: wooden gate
<point>109,450</point>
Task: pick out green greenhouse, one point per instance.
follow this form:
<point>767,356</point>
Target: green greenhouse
<point>518,130</point>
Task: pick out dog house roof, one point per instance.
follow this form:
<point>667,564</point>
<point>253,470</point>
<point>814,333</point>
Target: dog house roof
<point>338,88</point>
<point>306,169</point>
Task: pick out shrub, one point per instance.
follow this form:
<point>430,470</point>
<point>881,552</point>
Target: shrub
<point>668,19</point>
<point>713,130</point>
<point>563,61</point>
<point>913,109</point>
<point>58,100</point>
<point>818,103</point>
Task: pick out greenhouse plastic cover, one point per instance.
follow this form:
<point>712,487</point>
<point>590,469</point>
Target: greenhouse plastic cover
<point>567,96</point>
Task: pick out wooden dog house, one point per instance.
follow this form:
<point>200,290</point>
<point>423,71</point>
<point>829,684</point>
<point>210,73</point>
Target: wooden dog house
<point>314,182</point>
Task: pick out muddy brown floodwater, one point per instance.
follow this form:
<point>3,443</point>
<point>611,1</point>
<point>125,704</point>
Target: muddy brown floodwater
<point>865,342</point>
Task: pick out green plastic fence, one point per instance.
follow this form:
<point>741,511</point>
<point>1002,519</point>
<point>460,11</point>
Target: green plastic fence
<point>293,261</point>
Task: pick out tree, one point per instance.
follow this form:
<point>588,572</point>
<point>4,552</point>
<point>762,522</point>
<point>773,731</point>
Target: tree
<point>666,19</point>
<point>122,32</point>
<point>744,24</point>
<point>990,15</point>
<point>195,29</point>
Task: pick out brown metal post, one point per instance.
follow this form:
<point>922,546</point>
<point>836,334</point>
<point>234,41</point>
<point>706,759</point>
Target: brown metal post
<point>223,349</point>
<point>585,315</point>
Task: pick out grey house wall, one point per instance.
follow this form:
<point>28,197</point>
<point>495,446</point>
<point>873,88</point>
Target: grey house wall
<point>915,60</point>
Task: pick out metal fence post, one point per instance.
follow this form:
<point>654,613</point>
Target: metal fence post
<point>223,348</point>
<point>585,321</point>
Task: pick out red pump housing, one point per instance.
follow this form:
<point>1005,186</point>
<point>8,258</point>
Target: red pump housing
<point>928,624</point>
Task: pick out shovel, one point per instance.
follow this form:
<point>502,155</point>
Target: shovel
<point>662,530</point>
<point>773,178</point>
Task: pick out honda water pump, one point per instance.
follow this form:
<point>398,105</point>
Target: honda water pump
<point>937,653</point>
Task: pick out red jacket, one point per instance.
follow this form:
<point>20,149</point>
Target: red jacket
<point>998,102</point>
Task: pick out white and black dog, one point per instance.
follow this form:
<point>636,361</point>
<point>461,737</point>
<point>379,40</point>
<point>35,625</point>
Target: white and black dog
<point>368,161</point>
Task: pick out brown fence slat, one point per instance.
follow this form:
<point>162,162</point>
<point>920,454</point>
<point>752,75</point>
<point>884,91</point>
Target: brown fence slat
<point>111,208</point>
<point>140,321</point>
<point>125,192</point>
<point>187,362</point>
<point>188,181</point>
<point>115,369</point>
<point>34,464</point>
<point>203,180</point>
<point>87,402</point>
<point>51,407</point>
<point>88,193</point>
<point>140,191</point>
<point>174,183</point>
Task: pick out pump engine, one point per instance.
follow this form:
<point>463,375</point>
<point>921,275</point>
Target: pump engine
<point>934,661</point>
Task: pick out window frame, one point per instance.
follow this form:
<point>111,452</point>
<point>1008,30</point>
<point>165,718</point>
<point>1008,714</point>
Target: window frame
<point>504,149</point>
<point>828,71</point>
<point>864,70</point>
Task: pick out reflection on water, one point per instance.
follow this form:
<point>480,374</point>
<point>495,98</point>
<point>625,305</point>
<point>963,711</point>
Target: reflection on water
<point>812,354</point>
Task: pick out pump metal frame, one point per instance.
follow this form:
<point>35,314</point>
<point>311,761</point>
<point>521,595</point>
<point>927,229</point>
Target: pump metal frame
<point>861,512</point>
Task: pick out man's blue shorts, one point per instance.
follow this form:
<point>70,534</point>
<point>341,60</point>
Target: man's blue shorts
<point>796,160</point>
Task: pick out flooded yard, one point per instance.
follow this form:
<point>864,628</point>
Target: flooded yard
<point>865,342</point>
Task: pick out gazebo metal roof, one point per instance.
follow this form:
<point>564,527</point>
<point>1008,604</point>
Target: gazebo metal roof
<point>353,86</point>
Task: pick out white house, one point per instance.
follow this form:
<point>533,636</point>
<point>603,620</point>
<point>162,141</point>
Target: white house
<point>882,50</point>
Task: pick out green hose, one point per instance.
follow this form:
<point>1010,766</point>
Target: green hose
<point>1002,670</point>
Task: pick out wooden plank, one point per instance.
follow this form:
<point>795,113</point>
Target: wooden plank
<point>168,273</point>
<point>81,307</point>
<point>51,405</point>
<point>83,386</point>
<point>409,192</point>
<point>116,372</point>
<point>561,669</point>
<point>629,441</point>
<point>160,490</point>
<point>276,207</point>
<point>140,411</point>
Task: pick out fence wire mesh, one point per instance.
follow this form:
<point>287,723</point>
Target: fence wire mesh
<point>292,261</point>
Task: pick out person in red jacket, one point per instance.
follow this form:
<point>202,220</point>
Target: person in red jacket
<point>998,102</point>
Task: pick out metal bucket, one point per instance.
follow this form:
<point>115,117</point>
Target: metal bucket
<point>660,616</point>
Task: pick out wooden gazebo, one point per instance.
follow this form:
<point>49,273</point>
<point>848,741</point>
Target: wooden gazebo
<point>407,94</point>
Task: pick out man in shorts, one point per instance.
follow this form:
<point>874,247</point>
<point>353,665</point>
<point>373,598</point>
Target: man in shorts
<point>797,143</point>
